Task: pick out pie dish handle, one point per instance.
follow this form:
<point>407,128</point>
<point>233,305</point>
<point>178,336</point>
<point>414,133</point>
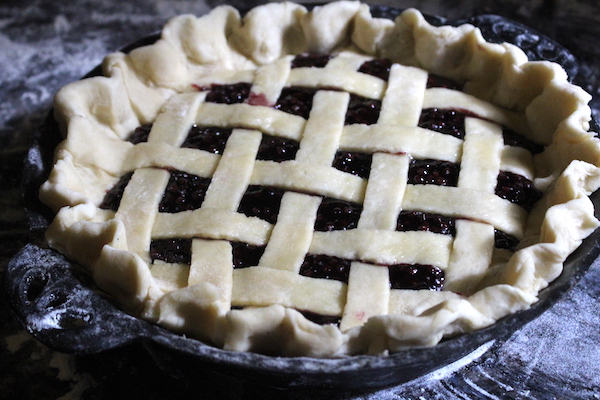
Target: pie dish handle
<point>55,301</point>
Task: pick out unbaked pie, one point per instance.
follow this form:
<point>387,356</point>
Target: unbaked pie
<point>324,184</point>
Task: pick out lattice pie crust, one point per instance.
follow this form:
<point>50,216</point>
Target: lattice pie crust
<point>267,307</point>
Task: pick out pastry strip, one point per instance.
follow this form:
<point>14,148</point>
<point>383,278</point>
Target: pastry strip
<point>384,247</point>
<point>230,179</point>
<point>403,97</point>
<point>139,207</point>
<point>368,294</point>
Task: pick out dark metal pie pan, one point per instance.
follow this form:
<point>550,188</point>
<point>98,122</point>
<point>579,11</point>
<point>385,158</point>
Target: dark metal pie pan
<point>57,302</point>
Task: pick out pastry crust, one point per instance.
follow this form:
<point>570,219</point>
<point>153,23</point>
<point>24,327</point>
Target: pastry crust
<point>159,84</point>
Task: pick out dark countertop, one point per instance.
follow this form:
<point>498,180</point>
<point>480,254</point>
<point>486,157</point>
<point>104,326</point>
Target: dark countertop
<point>46,44</point>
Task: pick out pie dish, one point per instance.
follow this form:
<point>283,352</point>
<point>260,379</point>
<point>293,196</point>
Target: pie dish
<point>329,109</point>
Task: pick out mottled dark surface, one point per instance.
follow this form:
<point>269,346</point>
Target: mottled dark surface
<point>46,44</point>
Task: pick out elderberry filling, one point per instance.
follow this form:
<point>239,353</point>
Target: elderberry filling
<point>402,276</point>
<point>437,81</point>
<point>378,67</point>
<point>262,202</point>
<point>446,121</point>
<point>228,94</point>
<point>503,240</point>
<point>335,214</point>
<point>140,134</point>
<point>211,139</point>
<point>416,277</point>
<point>512,138</point>
<point>362,110</point>
<point>517,189</point>
<point>433,172</point>
<point>296,100</point>
<point>452,122</point>
<point>311,60</point>
<point>421,221</point>
<point>183,192</point>
<point>275,148</point>
<point>442,224</point>
<point>354,163</point>
<point>179,251</point>
<point>174,251</point>
<point>112,198</point>
<point>326,267</point>
<point>246,255</point>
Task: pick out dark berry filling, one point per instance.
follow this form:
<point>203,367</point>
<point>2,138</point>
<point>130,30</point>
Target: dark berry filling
<point>140,134</point>
<point>442,82</point>
<point>262,202</point>
<point>416,277</point>
<point>275,148</point>
<point>379,67</point>
<point>180,251</point>
<point>446,121</point>
<point>211,139</point>
<point>512,138</point>
<point>314,60</point>
<point>296,100</point>
<point>355,163</point>
<point>175,251</point>
<point>334,215</point>
<point>433,172</point>
<point>452,122</point>
<point>503,240</point>
<point>184,192</point>
<point>228,94</point>
<point>321,319</point>
<point>517,189</point>
<point>112,198</point>
<point>362,110</point>
<point>326,267</point>
<point>421,221</point>
<point>246,255</point>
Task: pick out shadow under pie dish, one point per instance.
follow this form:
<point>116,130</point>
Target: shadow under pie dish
<point>384,123</point>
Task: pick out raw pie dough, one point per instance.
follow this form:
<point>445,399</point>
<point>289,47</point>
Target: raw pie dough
<point>166,84</point>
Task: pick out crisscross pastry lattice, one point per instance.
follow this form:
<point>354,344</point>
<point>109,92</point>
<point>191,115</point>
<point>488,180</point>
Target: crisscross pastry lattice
<point>337,188</point>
